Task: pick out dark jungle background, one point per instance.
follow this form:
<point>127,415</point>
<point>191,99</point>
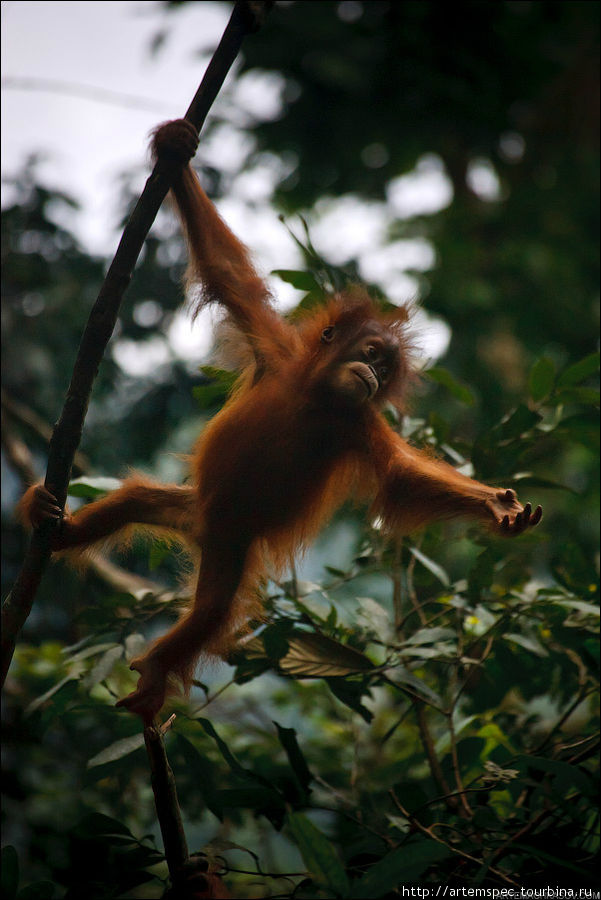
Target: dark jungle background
<point>419,712</point>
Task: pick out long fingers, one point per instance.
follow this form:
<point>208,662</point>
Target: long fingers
<point>538,514</point>
<point>524,519</point>
<point>48,509</point>
<point>45,507</point>
<point>527,518</point>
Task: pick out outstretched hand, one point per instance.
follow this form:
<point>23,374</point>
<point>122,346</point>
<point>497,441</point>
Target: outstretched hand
<point>511,518</point>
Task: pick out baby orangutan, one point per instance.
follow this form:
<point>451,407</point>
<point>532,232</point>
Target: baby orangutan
<point>301,432</point>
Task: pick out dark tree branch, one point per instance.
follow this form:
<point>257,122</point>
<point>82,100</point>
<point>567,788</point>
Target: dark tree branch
<point>246,17</point>
<point>165,799</point>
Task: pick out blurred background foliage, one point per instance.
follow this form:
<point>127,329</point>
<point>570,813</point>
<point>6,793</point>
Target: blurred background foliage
<point>447,679</point>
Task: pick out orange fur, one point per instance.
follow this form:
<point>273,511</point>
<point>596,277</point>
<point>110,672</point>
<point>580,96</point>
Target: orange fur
<point>301,432</point>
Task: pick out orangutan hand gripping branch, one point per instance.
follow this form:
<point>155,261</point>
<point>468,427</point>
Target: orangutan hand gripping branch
<point>301,432</point>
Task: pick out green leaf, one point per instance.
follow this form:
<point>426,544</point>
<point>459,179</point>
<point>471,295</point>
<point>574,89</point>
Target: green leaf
<point>567,602</point>
<point>403,676</point>
<point>581,428</point>
<point>205,771</point>
<point>528,643</point>
<point>580,370</point>
<point>494,737</point>
<point>214,393</point>
<point>302,280</point>
<point>501,803</point>
<point>225,751</point>
<point>39,701</point>
<point>309,302</point>
<point>318,656</point>
<point>433,567</point>
<point>117,750</point>
<point>312,655</point>
<point>235,766</point>
<point>455,388</point>
<point>526,479</point>
<point>217,374</point>
<point>9,872</point>
<point>430,635</point>
<point>351,693</point>
<point>443,744</point>
<point>404,865</point>
<point>584,396</point>
<point>98,825</point>
<point>93,487</point>
<point>319,854</point>
<point>517,422</point>
<point>87,651</point>
<point>481,574</point>
<point>275,641</point>
<point>295,756</point>
<point>568,776</point>
<point>103,667</point>
<point>252,665</point>
<point>542,378</point>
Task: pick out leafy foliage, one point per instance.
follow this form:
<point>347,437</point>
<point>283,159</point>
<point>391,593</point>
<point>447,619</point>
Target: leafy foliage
<point>468,702</point>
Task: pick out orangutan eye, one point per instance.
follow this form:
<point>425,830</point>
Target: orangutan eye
<point>327,335</point>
